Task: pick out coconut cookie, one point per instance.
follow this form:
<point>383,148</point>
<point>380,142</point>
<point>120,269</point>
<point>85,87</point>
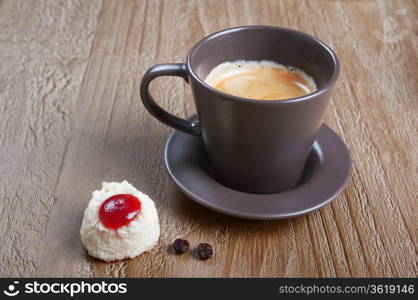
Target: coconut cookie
<point>119,222</point>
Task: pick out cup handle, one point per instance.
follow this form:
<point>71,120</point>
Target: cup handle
<point>179,70</point>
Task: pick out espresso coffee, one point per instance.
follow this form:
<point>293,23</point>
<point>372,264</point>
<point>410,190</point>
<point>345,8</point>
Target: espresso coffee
<point>252,146</point>
<point>260,80</point>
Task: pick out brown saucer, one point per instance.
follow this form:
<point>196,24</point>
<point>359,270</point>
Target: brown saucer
<point>326,173</point>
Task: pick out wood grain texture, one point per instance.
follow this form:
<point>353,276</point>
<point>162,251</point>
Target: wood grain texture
<point>71,117</point>
<point>44,50</point>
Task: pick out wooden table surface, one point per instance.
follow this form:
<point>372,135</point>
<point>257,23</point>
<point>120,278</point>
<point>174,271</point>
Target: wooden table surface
<point>71,117</point>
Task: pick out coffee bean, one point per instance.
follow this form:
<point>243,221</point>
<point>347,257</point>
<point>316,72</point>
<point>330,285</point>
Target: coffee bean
<point>181,246</point>
<point>204,251</point>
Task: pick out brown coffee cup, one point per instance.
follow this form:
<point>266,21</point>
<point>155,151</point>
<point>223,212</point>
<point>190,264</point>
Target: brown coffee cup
<point>253,146</point>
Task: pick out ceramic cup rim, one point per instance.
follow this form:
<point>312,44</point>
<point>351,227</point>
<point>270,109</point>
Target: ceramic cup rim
<point>327,86</point>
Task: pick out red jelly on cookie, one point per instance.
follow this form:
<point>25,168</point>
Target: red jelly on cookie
<point>122,226</point>
<point>119,210</point>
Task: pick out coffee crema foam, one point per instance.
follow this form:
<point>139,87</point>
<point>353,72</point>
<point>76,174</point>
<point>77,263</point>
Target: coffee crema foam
<point>260,80</point>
